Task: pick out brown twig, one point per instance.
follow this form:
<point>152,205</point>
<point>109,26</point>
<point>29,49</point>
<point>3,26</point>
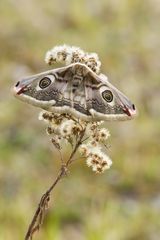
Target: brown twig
<point>38,217</point>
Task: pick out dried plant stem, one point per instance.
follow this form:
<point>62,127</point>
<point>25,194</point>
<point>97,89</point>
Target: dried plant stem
<point>38,217</point>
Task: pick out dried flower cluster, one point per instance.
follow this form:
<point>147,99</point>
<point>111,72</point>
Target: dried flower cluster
<point>70,55</point>
<point>66,127</point>
<point>93,150</point>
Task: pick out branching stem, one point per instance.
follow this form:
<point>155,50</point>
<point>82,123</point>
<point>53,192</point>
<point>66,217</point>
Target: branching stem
<point>38,217</point>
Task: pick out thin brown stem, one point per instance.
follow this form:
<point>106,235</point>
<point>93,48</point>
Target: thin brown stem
<point>38,217</point>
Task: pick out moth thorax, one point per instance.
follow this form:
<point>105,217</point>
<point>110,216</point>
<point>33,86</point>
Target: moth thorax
<point>77,80</point>
<point>80,70</point>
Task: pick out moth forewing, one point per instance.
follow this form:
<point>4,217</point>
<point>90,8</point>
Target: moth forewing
<point>75,89</point>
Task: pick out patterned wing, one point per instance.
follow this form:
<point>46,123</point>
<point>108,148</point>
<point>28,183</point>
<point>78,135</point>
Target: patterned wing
<point>106,102</point>
<point>75,89</point>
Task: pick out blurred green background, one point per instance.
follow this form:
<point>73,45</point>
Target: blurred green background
<point>124,202</point>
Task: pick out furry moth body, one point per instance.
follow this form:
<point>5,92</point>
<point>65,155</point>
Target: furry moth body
<point>77,90</point>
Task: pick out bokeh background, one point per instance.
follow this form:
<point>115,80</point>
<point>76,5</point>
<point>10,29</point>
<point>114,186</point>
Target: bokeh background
<point>124,202</point>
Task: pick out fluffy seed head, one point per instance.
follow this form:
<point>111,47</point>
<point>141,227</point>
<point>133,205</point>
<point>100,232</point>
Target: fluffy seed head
<point>71,54</point>
<point>99,162</point>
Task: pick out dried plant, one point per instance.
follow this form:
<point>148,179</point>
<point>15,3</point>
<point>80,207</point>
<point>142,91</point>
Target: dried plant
<point>86,137</point>
<point>71,54</point>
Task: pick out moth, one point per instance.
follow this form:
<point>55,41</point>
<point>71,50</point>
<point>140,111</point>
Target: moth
<point>77,90</point>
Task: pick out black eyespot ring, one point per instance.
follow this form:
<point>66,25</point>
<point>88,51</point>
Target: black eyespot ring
<point>107,95</point>
<point>44,82</point>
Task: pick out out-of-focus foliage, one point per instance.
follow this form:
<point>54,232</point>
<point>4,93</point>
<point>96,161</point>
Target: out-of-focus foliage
<point>124,202</point>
